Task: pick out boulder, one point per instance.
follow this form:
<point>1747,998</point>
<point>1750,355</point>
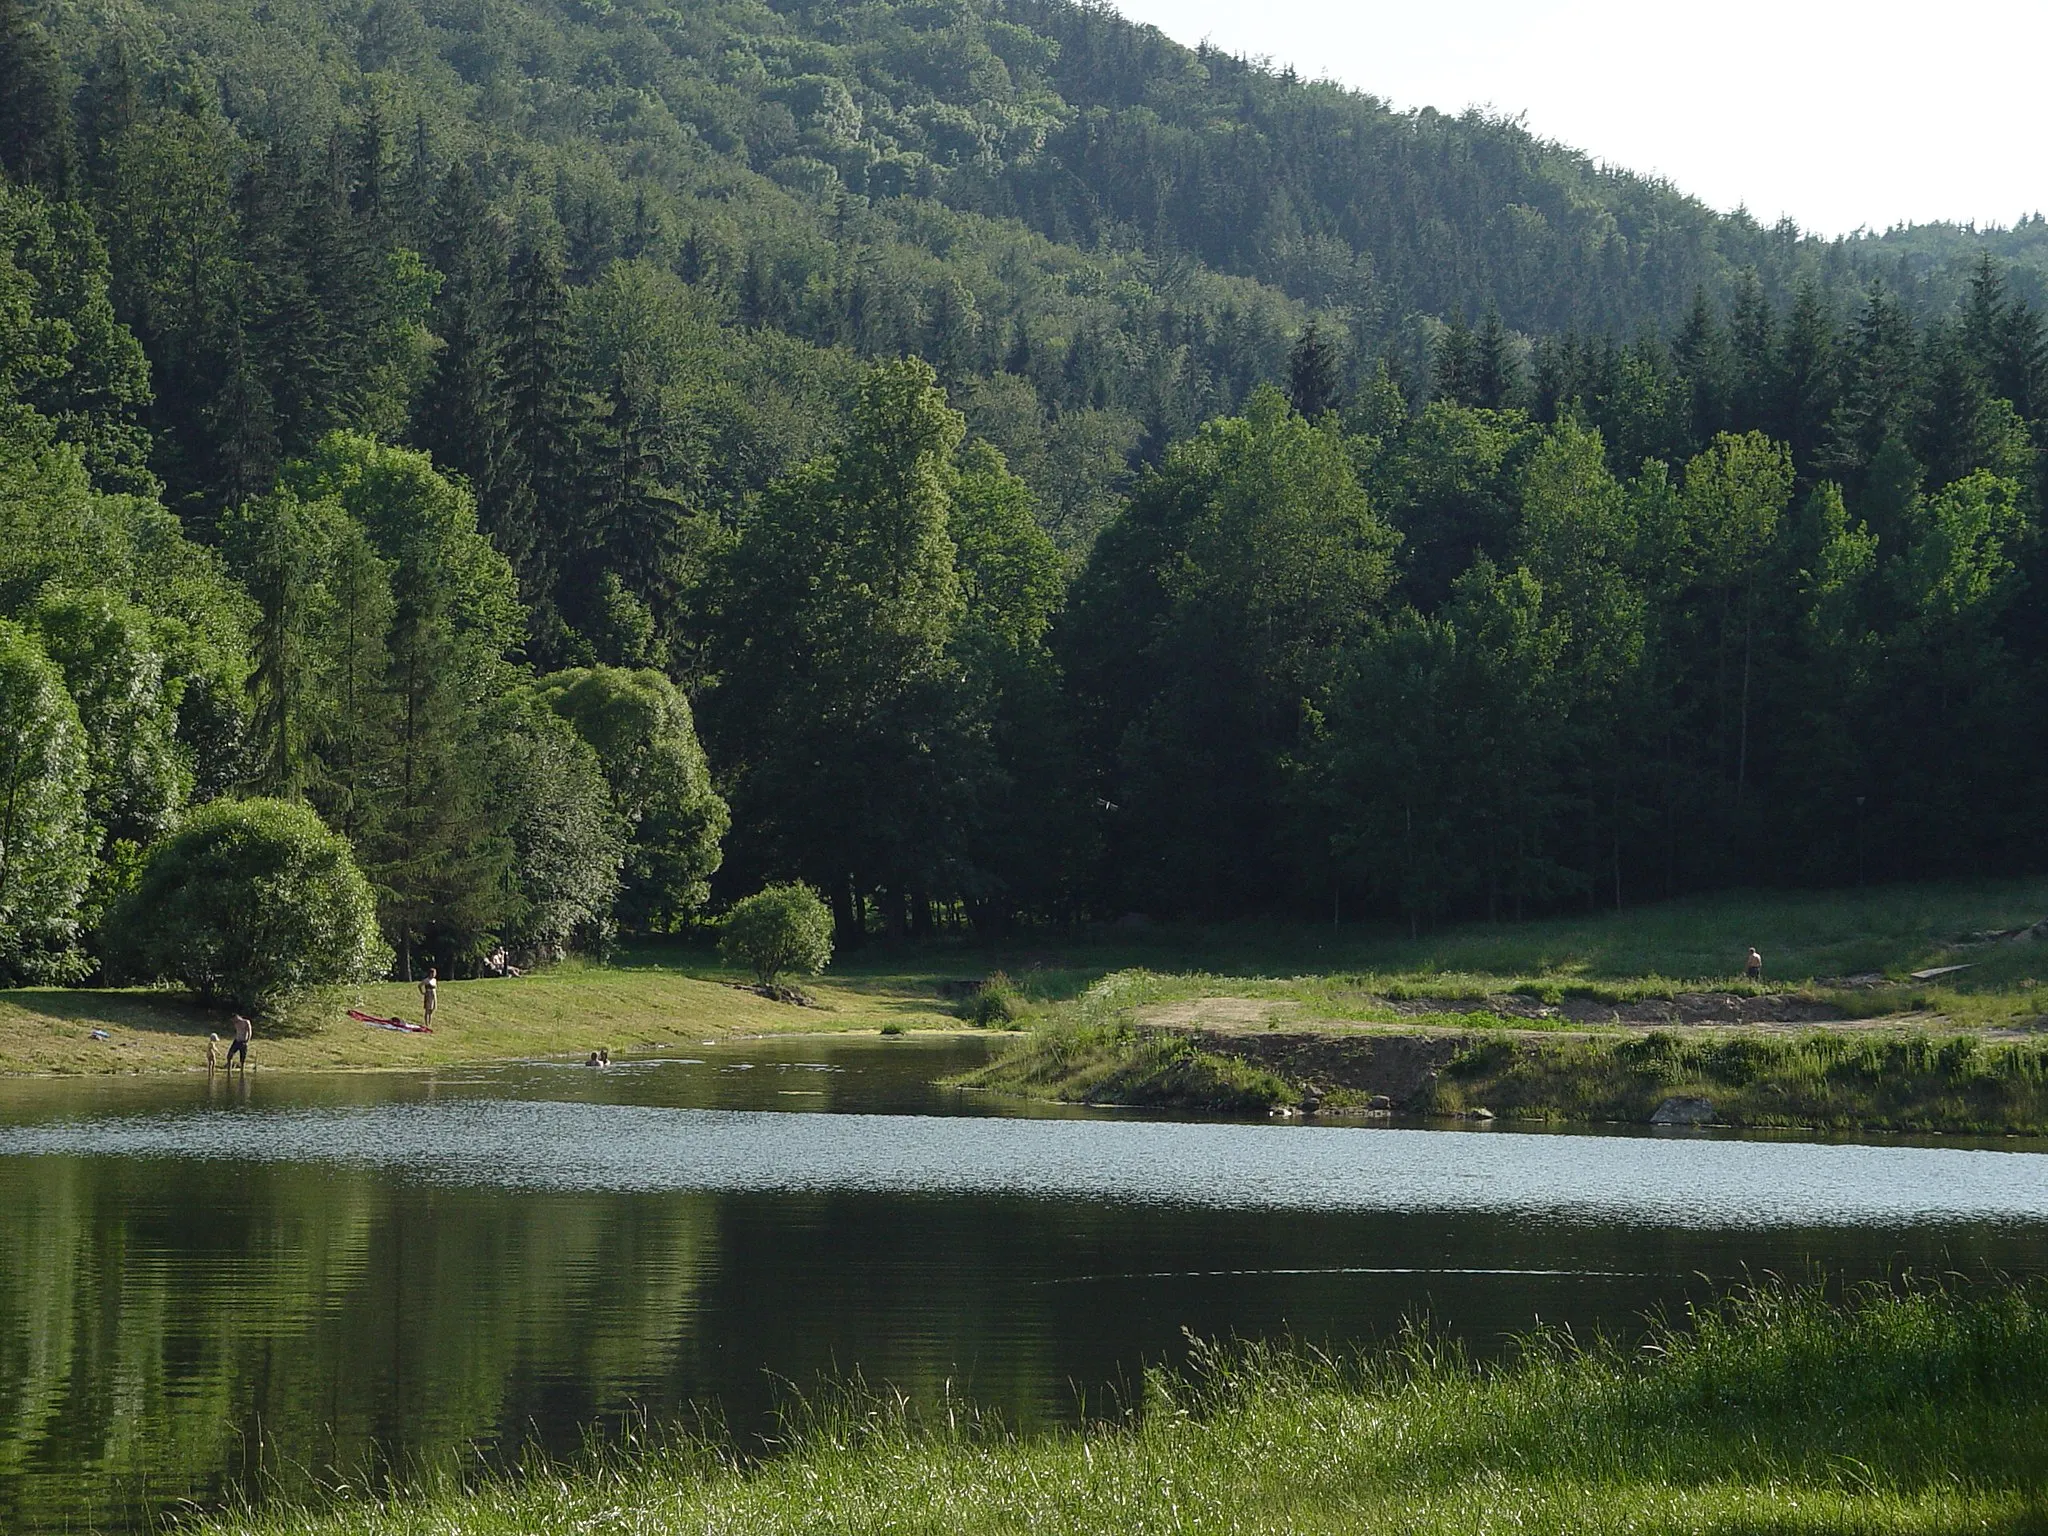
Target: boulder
<point>1482,1113</point>
<point>1683,1112</point>
<point>1380,1101</point>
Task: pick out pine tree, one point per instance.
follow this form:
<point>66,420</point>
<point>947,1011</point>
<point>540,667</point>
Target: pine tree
<point>418,190</point>
<point>371,191</point>
<point>36,145</point>
<point>1880,386</point>
<point>289,340</point>
<point>1806,385</point>
<point>461,414</point>
<point>539,523</point>
<point>1956,432</point>
<point>242,423</point>
<point>1457,364</point>
<point>1313,375</point>
<point>107,108</point>
<point>1752,344</point>
<point>641,532</point>
<point>1496,371</point>
<point>1702,354</point>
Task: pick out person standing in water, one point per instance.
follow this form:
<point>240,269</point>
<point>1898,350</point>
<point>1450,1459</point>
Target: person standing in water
<point>239,1046</point>
<point>427,991</point>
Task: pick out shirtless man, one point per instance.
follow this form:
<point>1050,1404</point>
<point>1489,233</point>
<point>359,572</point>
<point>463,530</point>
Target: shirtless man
<point>1754,970</point>
<point>427,990</point>
<point>239,1046</point>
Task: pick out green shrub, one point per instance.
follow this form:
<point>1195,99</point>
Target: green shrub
<point>247,903</point>
<point>995,1002</point>
<point>777,931</point>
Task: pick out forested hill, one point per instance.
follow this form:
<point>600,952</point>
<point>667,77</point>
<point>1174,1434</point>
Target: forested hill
<point>646,123</point>
<point>1059,472</point>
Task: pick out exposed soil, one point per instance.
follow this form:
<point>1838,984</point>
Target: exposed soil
<point>1220,1012</point>
<point>779,992</point>
<point>1363,1065</point>
<point>1724,1008</point>
<point>1651,1013</point>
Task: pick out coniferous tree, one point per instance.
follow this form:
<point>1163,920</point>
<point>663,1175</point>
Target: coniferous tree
<point>540,522</point>
<point>1957,430</point>
<point>1702,355</point>
<point>1457,365</point>
<point>107,104</point>
<point>1806,381</point>
<point>241,419</point>
<point>461,414</point>
<point>1314,375</point>
<point>1496,380</point>
<point>1752,344</point>
<point>36,144</point>
<point>1881,378</point>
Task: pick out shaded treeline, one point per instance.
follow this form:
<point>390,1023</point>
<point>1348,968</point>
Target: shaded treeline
<point>510,390</point>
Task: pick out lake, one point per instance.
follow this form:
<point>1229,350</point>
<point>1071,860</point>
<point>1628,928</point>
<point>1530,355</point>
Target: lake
<point>210,1291</point>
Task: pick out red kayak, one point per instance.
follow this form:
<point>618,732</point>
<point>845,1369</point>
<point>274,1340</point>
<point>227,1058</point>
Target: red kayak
<point>374,1022</point>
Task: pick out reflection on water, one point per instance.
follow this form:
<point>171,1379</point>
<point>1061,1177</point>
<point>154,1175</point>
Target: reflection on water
<point>347,1277</point>
<point>614,1148</point>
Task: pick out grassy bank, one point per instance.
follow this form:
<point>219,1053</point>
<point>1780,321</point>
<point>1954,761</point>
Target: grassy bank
<point>1832,1080</point>
<point>1848,954</point>
<point>1778,1413</point>
<point>1835,1081</point>
<point>572,1009</point>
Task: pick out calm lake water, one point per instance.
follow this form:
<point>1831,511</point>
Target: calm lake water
<point>210,1292</point>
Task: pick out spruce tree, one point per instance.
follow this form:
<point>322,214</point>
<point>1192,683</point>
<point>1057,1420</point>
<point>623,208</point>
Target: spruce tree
<point>1752,344</point>
<point>460,418</point>
<point>1496,371</point>
<point>1313,375</point>
<point>1805,380</point>
<point>1456,364</point>
<point>538,522</point>
<point>1702,354</point>
<point>36,145</point>
<point>1956,432</point>
<point>1881,382</point>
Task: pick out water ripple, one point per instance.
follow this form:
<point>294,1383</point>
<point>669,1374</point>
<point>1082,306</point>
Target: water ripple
<point>603,1147</point>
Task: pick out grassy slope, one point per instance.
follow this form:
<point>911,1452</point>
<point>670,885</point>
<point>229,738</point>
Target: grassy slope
<point>1334,974</point>
<point>568,1011</point>
<point>1780,1415</point>
<point>1899,1067</point>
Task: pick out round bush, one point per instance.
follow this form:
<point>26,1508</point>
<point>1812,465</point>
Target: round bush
<point>779,930</point>
<point>995,1002</point>
<point>248,902</point>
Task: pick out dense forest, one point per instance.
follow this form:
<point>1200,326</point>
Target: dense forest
<point>985,460</point>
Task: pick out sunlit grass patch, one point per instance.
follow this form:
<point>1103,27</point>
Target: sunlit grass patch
<point>1775,1412</point>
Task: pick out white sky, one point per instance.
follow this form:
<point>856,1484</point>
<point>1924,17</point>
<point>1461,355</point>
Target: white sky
<point>1840,114</point>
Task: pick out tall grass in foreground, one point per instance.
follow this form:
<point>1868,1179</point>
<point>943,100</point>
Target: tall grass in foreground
<point>1779,1413</point>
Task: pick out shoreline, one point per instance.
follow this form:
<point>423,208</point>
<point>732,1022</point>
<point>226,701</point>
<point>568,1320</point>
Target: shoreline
<point>1853,1081</point>
<point>563,1014</point>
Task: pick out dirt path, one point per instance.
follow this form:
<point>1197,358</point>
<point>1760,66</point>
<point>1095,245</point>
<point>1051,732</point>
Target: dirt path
<point>1706,1009</point>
